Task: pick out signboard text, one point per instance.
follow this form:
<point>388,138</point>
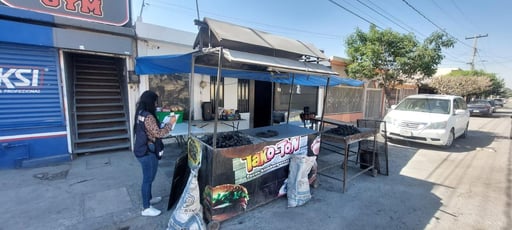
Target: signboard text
<point>20,80</point>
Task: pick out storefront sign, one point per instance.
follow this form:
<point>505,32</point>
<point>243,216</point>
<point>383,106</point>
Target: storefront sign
<point>20,79</point>
<point>268,159</point>
<point>102,11</point>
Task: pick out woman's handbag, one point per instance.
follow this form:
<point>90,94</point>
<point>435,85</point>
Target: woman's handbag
<point>157,148</point>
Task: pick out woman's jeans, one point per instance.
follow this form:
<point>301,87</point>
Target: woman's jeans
<point>149,165</point>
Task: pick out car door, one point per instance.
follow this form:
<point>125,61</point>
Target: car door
<point>461,120</point>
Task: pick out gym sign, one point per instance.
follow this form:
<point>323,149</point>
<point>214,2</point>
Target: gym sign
<point>112,12</point>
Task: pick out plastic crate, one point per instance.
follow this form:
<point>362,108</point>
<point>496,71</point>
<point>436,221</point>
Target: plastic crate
<point>161,115</point>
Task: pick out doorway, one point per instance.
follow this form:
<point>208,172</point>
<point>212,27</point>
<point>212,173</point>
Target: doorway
<point>262,103</point>
<point>97,103</point>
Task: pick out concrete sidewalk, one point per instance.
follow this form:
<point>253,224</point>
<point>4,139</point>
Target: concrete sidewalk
<point>102,191</point>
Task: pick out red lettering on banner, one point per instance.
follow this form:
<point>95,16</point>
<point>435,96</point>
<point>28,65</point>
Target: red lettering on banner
<point>281,149</point>
<point>90,7</point>
<point>51,3</point>
<point>70,5</point>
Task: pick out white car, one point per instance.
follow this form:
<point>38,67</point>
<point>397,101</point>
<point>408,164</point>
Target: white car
<point>428,118</point>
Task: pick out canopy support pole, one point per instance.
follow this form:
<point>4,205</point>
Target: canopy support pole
<point>191,90</point>
<point>272,104</point>
<point>290,98</point>
<point>321,128</point>
<point>216,103</point>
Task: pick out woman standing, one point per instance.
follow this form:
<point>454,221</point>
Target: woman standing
<point>146,129</point>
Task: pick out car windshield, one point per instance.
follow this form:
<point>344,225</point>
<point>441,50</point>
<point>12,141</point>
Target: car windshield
<point>426,105</point>
<point>478,102</point>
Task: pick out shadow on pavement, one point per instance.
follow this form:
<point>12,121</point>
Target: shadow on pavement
<point>382,202</point>
<point>474,140</point>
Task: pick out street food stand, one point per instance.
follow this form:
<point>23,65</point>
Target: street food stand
<point>239,178</point>
<point>250,175</point>
<point>341,144</point>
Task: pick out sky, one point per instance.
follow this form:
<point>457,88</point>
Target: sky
<point>327,23</point>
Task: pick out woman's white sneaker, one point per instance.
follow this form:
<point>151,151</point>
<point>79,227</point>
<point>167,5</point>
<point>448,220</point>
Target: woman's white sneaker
<point>155,200</point>
<point>151,212</point>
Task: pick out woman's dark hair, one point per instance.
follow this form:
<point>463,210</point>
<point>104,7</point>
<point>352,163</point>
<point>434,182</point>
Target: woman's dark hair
<point>147,103</point>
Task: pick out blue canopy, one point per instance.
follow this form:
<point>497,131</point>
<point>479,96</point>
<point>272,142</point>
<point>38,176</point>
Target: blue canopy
<point>273,69</point>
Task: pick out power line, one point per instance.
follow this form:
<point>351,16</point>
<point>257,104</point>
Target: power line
<point>164,4</point>
<point>446,32</point>
<point>384,16</point>
<point>450,15</point>
<point>455,58</point>
<point>417,11</point>
<point>410,30</point>
<point>494,59</point>
<point>357,15</point>
<point>350,4</point>
<point>463,14</point>
<point>482,61</point>
<point>396,19</point>
<point>268,27</point>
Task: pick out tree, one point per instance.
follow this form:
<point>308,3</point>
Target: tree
<point>495,88</point>
<point>507,92</point>
<point>391,57</point>
<point>460,85</point>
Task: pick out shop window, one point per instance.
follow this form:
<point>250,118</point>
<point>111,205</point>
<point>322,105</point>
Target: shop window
<point>301,97</point>
<point>213,87</point>
<point>243,95</point>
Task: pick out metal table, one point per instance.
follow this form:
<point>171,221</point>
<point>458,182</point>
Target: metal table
<point>365,133</point>
<point>180,131</point>
<point>234,123</point>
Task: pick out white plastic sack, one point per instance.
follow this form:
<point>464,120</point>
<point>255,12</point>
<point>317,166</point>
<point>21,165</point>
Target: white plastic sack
<point>297,184</point>
<point>188,213</point>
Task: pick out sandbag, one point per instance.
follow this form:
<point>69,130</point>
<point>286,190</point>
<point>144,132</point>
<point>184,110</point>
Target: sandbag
<point>188,213</point>
<point>297,184</point>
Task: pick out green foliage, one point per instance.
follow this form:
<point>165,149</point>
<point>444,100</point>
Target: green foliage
<point>507,93</point>
<point>496,86</point>
<point>391,57</point>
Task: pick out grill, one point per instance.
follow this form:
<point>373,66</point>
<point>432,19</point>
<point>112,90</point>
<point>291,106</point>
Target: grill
<point>411,125</point>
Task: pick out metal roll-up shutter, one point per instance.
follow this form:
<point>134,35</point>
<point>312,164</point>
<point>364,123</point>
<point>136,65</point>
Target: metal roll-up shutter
<point>32,120</point>
<point>30,98</point>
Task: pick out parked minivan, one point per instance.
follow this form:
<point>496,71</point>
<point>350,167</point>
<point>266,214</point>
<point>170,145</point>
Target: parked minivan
<point>428,118</point>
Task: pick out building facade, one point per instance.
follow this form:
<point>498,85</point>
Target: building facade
<point>63,80</point>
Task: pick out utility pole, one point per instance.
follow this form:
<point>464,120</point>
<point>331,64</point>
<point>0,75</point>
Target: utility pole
<point>476,37</point>
<point>144,4</point>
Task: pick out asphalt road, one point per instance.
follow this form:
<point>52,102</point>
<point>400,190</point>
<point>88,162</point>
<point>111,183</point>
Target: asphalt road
<point>473,179</point>
<point>468,186</point>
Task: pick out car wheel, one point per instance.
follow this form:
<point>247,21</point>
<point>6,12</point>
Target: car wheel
<point>450,139</point>
<point>465,133</point>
